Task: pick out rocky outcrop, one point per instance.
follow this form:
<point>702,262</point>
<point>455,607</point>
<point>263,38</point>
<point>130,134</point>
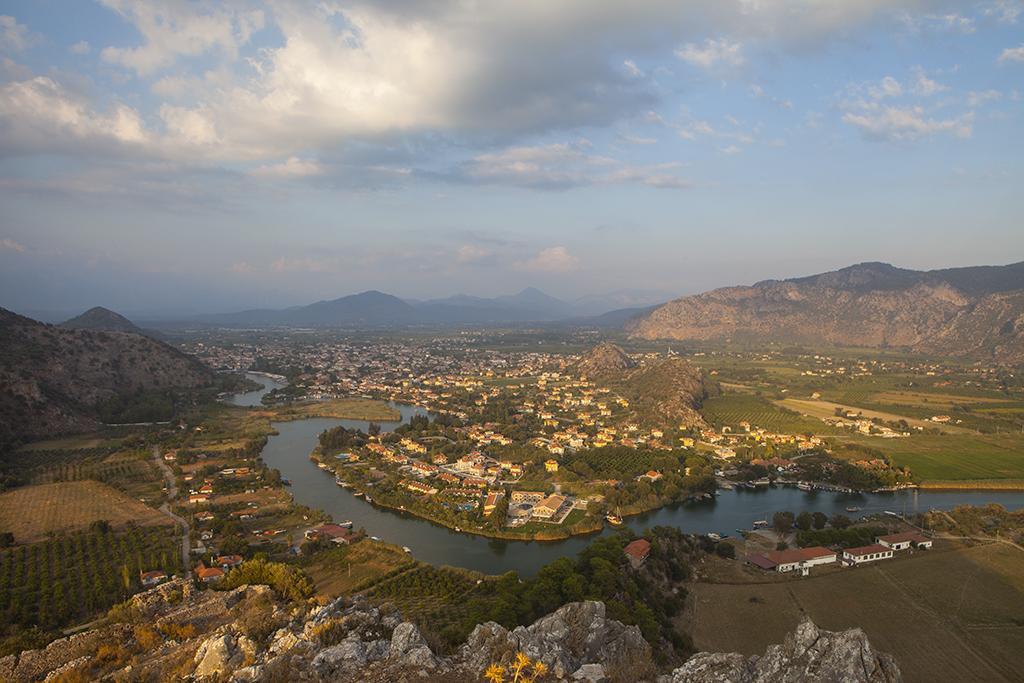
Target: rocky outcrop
<point>245,635</point>
<point>809,655</point>
<point>976,312</point>
<point>603,358</point>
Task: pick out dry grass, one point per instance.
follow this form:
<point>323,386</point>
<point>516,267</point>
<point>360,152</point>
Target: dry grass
<point>339,408</point>
<point>950,614</point>
<point>32,512</point>
<point>345,569</point>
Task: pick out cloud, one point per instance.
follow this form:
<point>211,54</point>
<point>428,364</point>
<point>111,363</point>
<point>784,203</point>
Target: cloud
<point>551,260</point>
<point>978,98</point>
<point>7,244</point>
<point>1005,11</point>
<point>950,22</point>
<point>712,53</point>
<point>14,37</point>
<point>901,124</point>
<point>632,69</point>
<point>1012,54</point>
<point>171,29</point>
<point>559,166</point>
<point>293,167</point>
<point>304,265</point>
<point>472,254</point>
<point>925,86</point>
<point>82,47</point>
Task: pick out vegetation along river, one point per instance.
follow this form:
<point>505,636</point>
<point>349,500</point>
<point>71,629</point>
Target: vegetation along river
<point>288,451</point>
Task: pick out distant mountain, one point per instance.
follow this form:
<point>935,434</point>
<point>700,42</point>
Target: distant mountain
<point>54,380</point>
<point>976,312</point>
<point>635,299</point>
<point>99,318</point>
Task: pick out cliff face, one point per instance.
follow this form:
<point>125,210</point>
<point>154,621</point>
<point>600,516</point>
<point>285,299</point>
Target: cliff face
<point>247,635</point>
<point>975,312</point>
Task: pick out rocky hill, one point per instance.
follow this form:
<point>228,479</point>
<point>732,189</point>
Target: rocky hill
<point>174,632</point>
<point>971,312</point>
<point>53,379</point>
<point>99,318</point>
<point>604,358</point>
<point>662,392</point>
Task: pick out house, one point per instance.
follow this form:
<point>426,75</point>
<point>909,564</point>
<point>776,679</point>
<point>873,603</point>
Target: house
<point>228,562</point>
<point>551,465</point>
<point>549,507</point>
<point>902,541</point>
<point>491,503</point>
<point>198,498</point>
<point>637,552</point>
<point>419,487</point>
<point>209,574</point>
<point>867,553</point>
<point>527,497</point>
<point>650,476</point>
<point>152,578</point>
<point>796,559</point>
<point>334,533</point>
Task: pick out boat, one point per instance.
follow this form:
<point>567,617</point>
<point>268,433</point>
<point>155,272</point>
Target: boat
<point>726,487</point>
<point>358,494</point>
<point>614,520</point>
<point>286,482</point>
<point>406,549</point>
<point>339,482</point>
<point>458,529</point>
<point>760,523</point>
<point>853,508</point>
<point>804,486</point>
<point>369,500</point>
<point>713,536</point>
<point>347,524</point>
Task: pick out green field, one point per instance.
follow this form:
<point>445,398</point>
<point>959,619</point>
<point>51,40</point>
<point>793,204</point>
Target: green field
<point>731,409</point>
<point>934,457</point>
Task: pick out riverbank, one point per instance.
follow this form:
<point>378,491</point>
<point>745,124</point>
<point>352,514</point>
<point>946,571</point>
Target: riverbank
<point>974,485</point>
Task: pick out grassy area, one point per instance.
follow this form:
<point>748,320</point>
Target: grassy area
<point>339,408</point>
<point>343,570</point>
<point>33,512</point>
<point>732,408</point>
<point>955,457</point>
<point>951,614</point>
<point>69,443</point>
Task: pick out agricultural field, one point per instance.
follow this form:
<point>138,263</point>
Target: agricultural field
<point>945,458</point>
<point>131,471</point>
<point>340,408</point>
<point>955,613</point>
<point>33,512</point>
<point>346,569</point>
<point>71,577</point>
<point>732,408</point>
<point>432,597</point>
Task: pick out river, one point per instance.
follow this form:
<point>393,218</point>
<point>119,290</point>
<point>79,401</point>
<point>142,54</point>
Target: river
<point>288,451</point>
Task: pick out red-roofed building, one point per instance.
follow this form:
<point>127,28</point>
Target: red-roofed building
<point>867,553</point>
<point>637,552</point>
<point>333,533</point>
<point>902,541</point>
<point>209,574</point>
<point>228,562</point>
<point>152,578</point>
<point>801,559</point>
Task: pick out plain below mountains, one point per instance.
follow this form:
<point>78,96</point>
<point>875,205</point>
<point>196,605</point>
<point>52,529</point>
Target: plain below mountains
<point>56,379</point>
<point>378,309</point>
<point>973,312</point>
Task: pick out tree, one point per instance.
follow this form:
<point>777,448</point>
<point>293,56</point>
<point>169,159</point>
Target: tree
<point>819,520</point>
<point>840,521</point>
<point>726,550</point>
<point>782,522</point>
<point>804,521</point>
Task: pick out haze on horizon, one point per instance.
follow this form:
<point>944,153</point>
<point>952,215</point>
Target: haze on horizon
<point>172,156</point>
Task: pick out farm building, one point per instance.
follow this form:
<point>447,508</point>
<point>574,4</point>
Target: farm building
<point>867,553</point>
<point>902,541</point>
<point>801,559</point>
<point>152,578</point>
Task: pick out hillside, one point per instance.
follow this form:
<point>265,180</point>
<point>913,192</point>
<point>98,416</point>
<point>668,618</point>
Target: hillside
<point>54,379</point>
<point>662,392</point>
<point>976,312</point>
<point>99,318</point>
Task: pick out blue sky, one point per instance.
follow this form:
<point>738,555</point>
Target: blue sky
<point>180,156</point>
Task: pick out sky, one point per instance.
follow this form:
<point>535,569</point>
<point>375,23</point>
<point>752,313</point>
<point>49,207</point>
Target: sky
<point>168,157</point>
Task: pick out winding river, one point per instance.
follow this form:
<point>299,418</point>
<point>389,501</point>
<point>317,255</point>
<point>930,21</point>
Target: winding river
<point>288,451</point>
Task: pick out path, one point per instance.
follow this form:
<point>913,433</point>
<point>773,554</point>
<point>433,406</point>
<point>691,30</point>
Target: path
<point>172,495</point>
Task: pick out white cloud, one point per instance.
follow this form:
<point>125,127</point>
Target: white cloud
<point>7,244</point>
<point>1005,11</point>
<point>888,87</point>
<point>293,167</point>
<point>632,69</point>
<point>82,47</point>
<point>901,124</point>
<point>951,22</point>
<point>303,265</point>
<point>171,29</point>
<point>925,86</point>
<point>551,260</point>
<point>14,37</point>
<point>563,165</point>
<point>1012,54</point>
<point>472,254</point>
<point>712,53</point>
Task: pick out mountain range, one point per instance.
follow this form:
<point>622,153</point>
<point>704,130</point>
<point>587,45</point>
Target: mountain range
<point>969,312</point>
<point>378,309</point>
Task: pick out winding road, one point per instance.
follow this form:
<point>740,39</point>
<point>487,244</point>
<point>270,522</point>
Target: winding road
<point>172,495</point>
